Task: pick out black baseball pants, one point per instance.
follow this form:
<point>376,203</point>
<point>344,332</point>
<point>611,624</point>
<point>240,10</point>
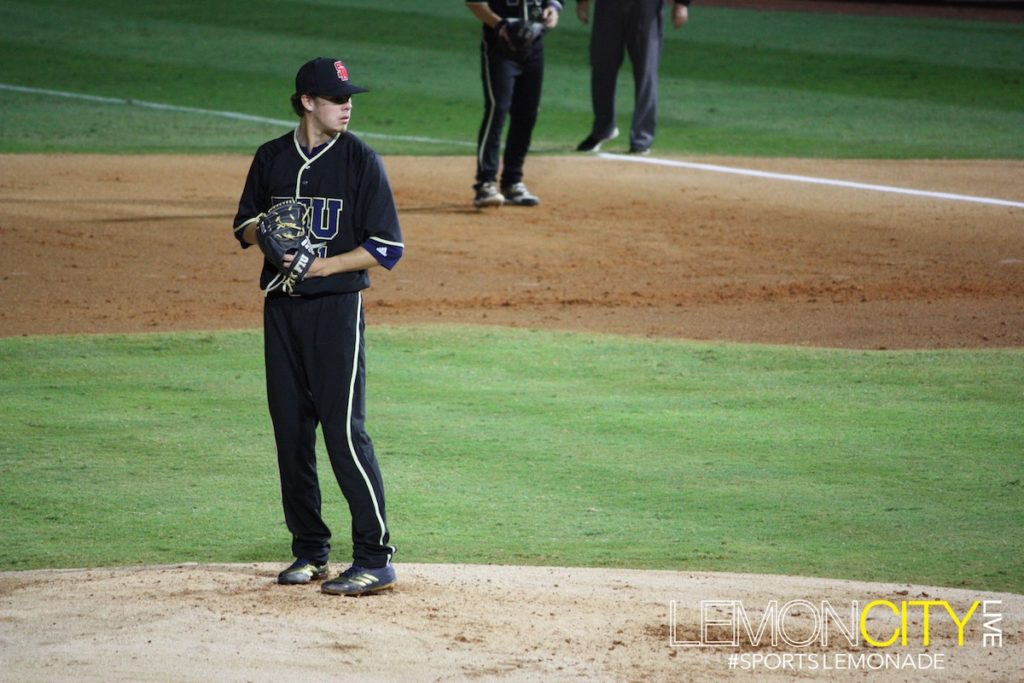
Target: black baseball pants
<point>314,354</point>
<point>512,88</point>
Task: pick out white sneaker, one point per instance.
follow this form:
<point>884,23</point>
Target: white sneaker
<point>520,196</point>
<point>487,195</point>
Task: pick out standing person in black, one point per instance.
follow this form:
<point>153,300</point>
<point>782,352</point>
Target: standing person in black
<point>633,27</point>
<point>313,333</point>
<point>512,86</point>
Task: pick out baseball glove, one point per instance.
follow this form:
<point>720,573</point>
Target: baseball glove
<point>283,230</point>
<point>521,35</point>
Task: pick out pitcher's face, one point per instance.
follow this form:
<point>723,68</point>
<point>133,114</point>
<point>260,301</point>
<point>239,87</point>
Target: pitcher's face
<point>332,114</point>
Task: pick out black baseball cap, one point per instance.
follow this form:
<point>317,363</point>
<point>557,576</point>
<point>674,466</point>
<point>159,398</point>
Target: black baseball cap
<point>325,76</point>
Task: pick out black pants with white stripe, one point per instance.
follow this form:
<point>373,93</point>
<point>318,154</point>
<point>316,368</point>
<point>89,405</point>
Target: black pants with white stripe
<point>314,354</point>
<point>512,88</point>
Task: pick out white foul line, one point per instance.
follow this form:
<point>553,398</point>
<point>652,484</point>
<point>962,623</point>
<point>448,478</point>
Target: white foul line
<point>214,112</point>
<point>462,143</point>
<point>810,179</point>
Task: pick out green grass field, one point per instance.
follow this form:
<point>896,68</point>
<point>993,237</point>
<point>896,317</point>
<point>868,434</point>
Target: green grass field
<point>569,450</point>
<point>523,447</point>
<point>732,82</point>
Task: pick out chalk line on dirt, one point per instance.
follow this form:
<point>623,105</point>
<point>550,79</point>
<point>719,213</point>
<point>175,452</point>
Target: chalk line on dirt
<point>789,177</point>
<point>714,168</point>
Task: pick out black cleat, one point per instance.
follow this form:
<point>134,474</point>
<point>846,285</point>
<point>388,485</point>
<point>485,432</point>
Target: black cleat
<point>357,581</point>
<point>303,571</point>
<point>593,143</point>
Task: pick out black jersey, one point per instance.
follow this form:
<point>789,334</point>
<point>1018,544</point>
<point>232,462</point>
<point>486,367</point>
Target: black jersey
<point>528,10</point>
<point>347,189</point>
<point>525,10</point>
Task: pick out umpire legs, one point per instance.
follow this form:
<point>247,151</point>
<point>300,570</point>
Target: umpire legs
<point>607,50</point>
<point>643,42</point>
<point>633,26</point>
<point>315,374</point>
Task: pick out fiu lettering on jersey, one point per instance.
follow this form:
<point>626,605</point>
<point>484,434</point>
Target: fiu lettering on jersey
<point>324,215</point>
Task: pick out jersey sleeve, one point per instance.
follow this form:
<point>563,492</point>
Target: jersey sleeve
<point>253,201</point>
<point>381,233</point>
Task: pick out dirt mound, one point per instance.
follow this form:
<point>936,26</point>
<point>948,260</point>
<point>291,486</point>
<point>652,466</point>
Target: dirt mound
<point>465,622</point>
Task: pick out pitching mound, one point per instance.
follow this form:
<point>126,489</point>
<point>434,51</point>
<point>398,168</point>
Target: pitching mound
<point>466,622</point>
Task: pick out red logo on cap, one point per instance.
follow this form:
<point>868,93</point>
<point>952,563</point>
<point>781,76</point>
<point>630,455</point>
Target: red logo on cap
<point>342,71</point>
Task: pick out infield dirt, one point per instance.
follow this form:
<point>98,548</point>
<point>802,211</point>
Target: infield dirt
<point>143,243</point>
<point>92,244</point>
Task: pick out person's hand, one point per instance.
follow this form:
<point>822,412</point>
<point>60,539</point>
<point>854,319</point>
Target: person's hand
<point>318,268</point>
<point>550,16</point>
<point>583,10</point>
<point>680,13</point>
